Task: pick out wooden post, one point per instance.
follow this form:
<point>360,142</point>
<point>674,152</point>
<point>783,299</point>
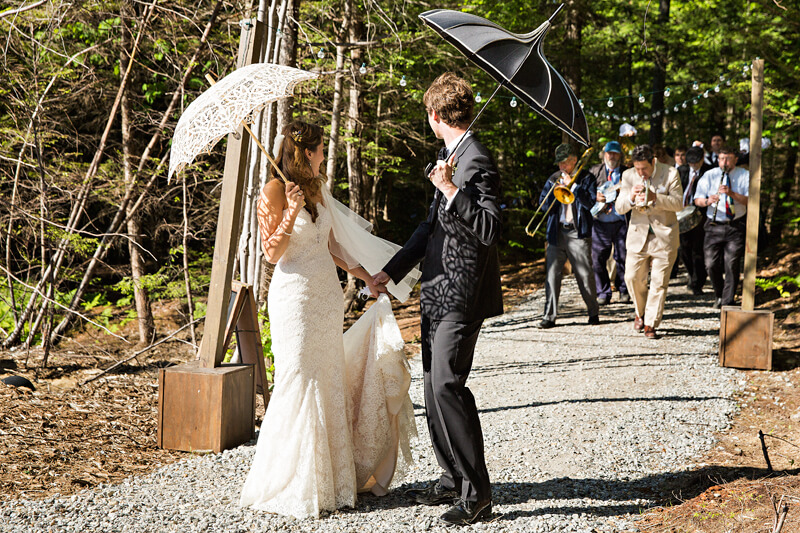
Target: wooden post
<point>212,349</point>
<point>754,194</point>
<point>745,335</point>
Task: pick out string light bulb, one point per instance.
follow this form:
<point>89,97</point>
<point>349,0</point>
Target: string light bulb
<point>666,92</point>
<point>695,86</point>
<point>513,101</point>
<point>683,105</point>
<point>610,102</point>
<point>478,98</point>
<point>641,98</point>
<point>722,77</point>
<point>728,83</point>
<point>705,93</point>
<point>580,103</point>
<point>363,69</point>
<point>403,81</point>
<point>716,89</point>
<point>321,53</point>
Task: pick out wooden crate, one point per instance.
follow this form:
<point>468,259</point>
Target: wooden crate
<point>745,338</point>
<point>206,409</point>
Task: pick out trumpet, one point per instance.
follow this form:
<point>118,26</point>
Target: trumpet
<point>562,193</point>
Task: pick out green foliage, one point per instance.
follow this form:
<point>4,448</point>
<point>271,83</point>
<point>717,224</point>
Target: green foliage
<point>780,284</point>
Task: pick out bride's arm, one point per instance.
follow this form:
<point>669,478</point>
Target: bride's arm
<point>275,226</point>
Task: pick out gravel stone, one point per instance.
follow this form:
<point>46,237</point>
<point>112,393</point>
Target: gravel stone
<point>583,425</point>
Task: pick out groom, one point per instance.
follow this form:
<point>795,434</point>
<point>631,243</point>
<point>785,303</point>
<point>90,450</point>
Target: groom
<point>460,288</point>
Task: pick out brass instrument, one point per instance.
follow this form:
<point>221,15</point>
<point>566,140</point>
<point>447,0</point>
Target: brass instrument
<point>562,193</point>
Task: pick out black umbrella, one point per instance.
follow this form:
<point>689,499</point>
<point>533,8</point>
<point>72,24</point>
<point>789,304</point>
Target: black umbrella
<point>515,61</point>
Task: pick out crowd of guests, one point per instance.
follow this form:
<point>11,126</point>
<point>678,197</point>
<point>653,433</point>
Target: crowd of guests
<point>645,208</point>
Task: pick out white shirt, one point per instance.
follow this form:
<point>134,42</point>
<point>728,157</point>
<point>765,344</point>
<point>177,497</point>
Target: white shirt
<point>709,185</point>
<point>450,147</point>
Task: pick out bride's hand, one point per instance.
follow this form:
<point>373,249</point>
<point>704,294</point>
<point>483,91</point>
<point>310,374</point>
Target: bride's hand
<point>294,198</point>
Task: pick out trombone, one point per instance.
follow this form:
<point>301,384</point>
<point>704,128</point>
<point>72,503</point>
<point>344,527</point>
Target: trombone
<point>562,193</point>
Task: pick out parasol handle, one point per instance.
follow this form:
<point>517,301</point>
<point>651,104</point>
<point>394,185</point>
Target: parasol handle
<point>476,118</point>
<point>212,81</point>
<point>558,9</point>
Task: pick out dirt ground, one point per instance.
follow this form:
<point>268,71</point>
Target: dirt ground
<point>68,434</point>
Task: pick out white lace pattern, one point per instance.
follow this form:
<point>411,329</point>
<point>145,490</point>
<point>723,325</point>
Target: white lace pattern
<point>325,401</point>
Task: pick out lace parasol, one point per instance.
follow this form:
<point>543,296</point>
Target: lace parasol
<point>235,99</point>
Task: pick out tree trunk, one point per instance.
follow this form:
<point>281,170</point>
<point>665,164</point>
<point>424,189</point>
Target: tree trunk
<point>121,215</point>
<point>288,56</point>
<point>338,88</point>
<point>144,312</point>
<point>661,56</point>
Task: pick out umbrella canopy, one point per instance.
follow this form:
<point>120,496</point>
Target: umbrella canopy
<point>515,61</point>
<point>235,99</point>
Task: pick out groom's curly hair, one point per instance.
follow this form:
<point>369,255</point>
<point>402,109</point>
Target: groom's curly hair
<point>451,98</point>
<point>297,137</point>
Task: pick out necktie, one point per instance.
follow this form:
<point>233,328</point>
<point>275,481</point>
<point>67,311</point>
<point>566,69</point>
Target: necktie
<point>726,180</point>
<point>687,196</point>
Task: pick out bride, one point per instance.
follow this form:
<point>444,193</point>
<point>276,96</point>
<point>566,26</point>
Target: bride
<point>340,412</point>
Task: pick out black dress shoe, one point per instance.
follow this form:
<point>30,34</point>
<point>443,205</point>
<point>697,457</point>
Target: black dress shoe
<point>697,292</point>
<point>464,513</point>
<point>433,494</point>
<point>545,324</point>
<point>594,320</point>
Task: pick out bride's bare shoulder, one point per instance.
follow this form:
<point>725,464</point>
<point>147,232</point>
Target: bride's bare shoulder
<point>274,193</point>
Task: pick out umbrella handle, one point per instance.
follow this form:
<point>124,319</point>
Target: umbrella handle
<point>212,81</point>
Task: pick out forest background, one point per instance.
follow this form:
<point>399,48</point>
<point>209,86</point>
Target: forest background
<point>90,93</point>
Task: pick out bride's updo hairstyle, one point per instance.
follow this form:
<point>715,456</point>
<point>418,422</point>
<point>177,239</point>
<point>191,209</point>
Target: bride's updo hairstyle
<point>291,158</point>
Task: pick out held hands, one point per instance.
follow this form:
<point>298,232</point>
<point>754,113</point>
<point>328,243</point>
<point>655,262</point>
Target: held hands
<point>601,198</point>
<point>294,198</point>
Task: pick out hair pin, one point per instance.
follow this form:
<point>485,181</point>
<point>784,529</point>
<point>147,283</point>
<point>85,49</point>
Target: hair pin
<point>297,136</point>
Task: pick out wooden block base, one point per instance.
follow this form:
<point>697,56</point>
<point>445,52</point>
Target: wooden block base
<point>745,338</point>
<point>206,409</point>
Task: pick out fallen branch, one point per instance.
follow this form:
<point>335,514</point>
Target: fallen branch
<point>140,352</point>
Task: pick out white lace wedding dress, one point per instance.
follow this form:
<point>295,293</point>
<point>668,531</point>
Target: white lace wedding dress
<point>340,409</point>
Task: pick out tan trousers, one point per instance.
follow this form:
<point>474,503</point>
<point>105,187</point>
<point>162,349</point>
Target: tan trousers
<point>658,262</point>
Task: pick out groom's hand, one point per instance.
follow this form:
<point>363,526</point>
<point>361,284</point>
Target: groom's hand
<point>381,278</point>
<point>442,177</point>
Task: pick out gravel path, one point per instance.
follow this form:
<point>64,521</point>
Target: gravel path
<point>583,425</point>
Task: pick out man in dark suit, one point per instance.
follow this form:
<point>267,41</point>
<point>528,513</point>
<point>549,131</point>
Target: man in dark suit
<point>691,250</point>
<point>569,236</point>
<point>460,288</point>
<point>609,229</point>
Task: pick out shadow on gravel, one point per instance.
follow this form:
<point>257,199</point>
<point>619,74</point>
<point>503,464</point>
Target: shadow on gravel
<point>660,489</point>
<point>537,367</point>
<point>604,400</point>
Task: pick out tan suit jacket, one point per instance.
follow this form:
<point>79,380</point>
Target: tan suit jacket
<point>666,183</point>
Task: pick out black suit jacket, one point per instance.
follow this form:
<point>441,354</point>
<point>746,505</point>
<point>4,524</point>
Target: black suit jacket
<point>685,171</point>
<point>461,269</point>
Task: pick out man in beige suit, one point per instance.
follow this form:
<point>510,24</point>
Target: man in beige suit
<point>652,192</point>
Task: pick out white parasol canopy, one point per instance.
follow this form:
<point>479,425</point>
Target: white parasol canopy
<point>235,99</point>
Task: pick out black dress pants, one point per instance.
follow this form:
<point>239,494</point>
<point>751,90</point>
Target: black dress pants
<point>447,351</point>
<point>693,256</point>
<point>724,249</point>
